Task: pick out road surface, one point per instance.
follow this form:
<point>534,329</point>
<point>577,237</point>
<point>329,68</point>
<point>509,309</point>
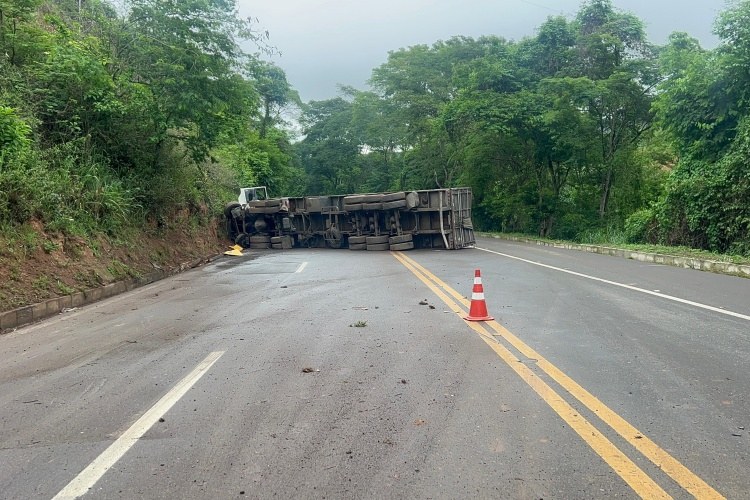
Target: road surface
<point>339,374</point>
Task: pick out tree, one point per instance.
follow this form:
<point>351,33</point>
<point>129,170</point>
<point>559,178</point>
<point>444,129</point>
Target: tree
<point>185,55</point>
<point>330,150</point>
<point>274,91</point>
<point>16,34</point>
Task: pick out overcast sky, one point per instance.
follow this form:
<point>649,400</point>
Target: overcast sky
<point>324,43</point>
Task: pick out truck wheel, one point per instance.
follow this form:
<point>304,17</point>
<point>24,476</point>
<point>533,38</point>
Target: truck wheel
<point>357,246</point>
<point>354,199</point>
<point>228,209</point>
<point>394,240</point>
<point>263,241</point>
<point>376,240</point>
<point>378,246</point>
<point>412,200</point>
<point>355,240</point>
<point>352,207</point>
<point>243,240</point>
<point>399,247</point>
<point>392,205</point>
<point>394,196</point>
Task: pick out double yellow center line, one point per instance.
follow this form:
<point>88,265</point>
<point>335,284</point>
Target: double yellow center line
<point>633,475</point>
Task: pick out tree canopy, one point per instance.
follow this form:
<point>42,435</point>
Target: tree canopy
<point>583,130</point>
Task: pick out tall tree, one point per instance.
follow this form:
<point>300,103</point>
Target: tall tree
<point>274,91</point>
<point>185,54</point>
<point>330,150</point>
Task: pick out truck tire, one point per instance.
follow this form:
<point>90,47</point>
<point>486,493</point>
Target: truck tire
<point>399,247</point>
<point>259,239</point>
<point>412,200</point>
<point>355,240</point>
<point>378,246</point>
<point>392,205</point>
<point>372,198</point>
<point>395,240</point>
<point>243,240</point>
<point>228,209</point>
<point>358,246</point>
<point>352,207</point>
<point>372,206</point>
<point>376,240</point>
<point>275,239</point>
<point>276,246</point>
<point>394,196</point>
<point>354,199</point>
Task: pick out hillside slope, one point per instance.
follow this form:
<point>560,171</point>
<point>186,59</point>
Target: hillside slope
<point>36,265</point>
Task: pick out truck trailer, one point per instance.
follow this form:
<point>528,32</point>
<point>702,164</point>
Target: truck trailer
<point>401,220</point>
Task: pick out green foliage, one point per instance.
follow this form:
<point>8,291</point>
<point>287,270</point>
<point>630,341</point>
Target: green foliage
<point>42,283</point>
<point>330,150</point>
<point>118,270</point>
<point>108,115</point>
<point>50,246</point>
<point>64,289</point>
<point>14,133</point>
<point>641,226</point>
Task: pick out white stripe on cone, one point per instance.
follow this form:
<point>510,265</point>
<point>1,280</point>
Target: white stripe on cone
<point>477,296</point>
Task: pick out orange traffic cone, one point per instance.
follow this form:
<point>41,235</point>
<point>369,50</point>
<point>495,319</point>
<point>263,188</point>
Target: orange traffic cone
<point>478,310</point>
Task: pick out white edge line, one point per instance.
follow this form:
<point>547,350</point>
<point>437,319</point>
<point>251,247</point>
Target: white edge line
<point>88,477</point>
<point>301,267</point>
<point>623,285</point>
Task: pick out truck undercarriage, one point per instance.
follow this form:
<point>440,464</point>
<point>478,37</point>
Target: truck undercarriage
<point>401,220</point>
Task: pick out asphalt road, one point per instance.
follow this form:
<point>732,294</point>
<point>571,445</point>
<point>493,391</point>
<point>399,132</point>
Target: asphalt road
<point>318,374</point>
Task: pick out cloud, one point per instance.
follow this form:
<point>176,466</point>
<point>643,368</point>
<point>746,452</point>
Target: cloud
<point>330,42</point>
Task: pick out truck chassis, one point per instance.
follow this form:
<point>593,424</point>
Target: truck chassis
<point>401,220</point>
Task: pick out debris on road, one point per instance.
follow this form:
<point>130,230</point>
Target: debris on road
<point>307,370</point>
<point>235,250</point>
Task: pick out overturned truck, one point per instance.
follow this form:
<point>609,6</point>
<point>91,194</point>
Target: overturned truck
<point>433,218</point>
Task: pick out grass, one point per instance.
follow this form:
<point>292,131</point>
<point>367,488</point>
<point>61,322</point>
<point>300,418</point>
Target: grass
<point>64,289</point>
<point>50,246</point>
<point>90,279</point>
<point>18,242</point>
<point>118,270</point>
<point>615,241</point>
<point>42,283</point>
<point>359,324</point>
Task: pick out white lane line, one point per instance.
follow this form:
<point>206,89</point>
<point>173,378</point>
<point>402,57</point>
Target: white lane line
<point>623,285</point>
<point>301,267</point>
<point>84,481</point>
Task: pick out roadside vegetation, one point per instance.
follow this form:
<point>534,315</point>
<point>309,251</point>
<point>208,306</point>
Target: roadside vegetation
<point>125,128</point>
<point>584,131</point>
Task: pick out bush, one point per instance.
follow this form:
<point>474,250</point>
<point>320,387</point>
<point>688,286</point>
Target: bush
<point>14,134</point>
<point>20,184</point>
<point>641,227</point>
